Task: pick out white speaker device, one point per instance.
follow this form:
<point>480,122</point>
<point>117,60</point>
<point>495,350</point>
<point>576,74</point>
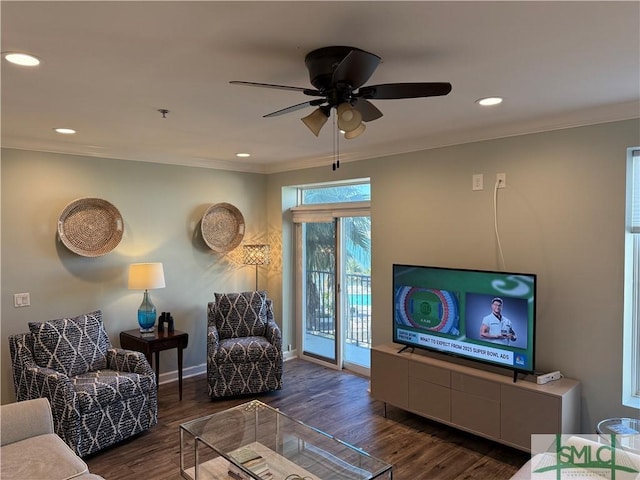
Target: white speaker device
<point>549,377</point>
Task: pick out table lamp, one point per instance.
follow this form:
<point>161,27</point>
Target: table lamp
<point>255,255</point>
<point>146,276</point>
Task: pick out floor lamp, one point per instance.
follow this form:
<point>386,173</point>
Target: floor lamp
<point>257,254</point>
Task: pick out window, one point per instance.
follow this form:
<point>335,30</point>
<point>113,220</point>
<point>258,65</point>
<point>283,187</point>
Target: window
<point>631,334</point>
<point>351,192</point>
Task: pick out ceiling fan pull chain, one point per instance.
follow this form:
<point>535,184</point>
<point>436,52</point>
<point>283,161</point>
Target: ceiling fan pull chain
<point>336,144</point>
<point>337,134</point>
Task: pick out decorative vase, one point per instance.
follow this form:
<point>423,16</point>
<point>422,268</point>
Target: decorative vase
<point>146,314</point>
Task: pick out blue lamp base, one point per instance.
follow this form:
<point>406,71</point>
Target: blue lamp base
<point>147,314</point>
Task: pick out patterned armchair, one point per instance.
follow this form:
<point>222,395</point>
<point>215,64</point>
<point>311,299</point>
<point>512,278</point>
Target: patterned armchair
<point>99,395</point>
<point>244,345</point>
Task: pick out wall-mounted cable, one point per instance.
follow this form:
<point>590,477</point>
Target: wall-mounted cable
<point>501,263</point>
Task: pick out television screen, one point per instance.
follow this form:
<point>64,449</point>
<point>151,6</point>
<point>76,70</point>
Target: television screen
<point>480,315</point>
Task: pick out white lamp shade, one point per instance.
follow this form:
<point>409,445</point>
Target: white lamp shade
<point>355,132</point>
<point>348,117</point>
<point>315,121</point>
<point>146,276</point>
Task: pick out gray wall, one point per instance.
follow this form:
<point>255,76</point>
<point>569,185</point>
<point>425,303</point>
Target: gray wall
<point>161,206</point>
<point>561,216</point>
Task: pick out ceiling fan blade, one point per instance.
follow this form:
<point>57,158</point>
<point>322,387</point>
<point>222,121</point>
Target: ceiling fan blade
<point>306,91</point>
<point>356,68</point>
<point>367,109</point>
<point>404,90</point>
<point>290,109</point>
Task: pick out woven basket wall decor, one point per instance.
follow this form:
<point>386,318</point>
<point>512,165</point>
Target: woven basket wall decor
<point>222,227</point>
<point>90,227</point>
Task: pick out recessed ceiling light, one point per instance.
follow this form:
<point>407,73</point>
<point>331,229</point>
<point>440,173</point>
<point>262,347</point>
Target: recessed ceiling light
<point>243,155</point>
<point>21,59</point>
<point>488,101</point>
<point>65,131</point>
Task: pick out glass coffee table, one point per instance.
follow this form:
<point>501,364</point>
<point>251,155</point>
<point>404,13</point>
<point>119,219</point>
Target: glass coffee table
<point>621,432</point>
<point>256,441</point>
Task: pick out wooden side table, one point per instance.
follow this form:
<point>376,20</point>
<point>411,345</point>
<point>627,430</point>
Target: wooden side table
<point>155,342</point>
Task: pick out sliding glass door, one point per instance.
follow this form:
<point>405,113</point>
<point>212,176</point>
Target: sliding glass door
<point>320,316</point>
<point>334,269</point>
<point>355,298</point>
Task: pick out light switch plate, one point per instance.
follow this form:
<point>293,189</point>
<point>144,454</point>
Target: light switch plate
<point>21,300</point>
<point>477,182</point>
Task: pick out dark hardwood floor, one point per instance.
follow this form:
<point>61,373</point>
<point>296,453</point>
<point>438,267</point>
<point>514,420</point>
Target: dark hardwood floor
<point>335,402</point>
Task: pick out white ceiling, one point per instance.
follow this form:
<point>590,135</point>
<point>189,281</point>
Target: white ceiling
<point>107,67</point>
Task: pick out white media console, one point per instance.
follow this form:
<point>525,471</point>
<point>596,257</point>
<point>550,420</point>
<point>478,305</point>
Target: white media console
<point>478,401</point>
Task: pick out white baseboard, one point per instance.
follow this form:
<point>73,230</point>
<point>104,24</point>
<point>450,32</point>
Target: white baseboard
<point>172,376</point>
<point>289,355</point>
<point>169,377</point>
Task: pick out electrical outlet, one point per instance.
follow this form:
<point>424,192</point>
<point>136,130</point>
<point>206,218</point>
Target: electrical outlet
<point>501,178</point>
<point>477,182</point>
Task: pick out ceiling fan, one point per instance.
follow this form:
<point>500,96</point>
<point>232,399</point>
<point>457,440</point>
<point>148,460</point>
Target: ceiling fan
<point>338,74</point>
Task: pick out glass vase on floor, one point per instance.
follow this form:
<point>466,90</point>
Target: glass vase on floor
<point>147,314</point>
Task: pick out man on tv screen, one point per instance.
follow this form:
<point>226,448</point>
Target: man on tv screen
<point>496,327</point>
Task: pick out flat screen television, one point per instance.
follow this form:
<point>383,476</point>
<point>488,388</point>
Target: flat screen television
<point>485,316</point>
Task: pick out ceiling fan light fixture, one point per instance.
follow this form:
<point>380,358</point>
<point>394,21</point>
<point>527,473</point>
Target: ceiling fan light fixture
<point>348,117</point>
<point>338,75</point>
<point>355,132</point>
<point>315,120</point>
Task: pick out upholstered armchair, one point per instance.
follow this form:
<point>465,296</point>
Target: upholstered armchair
<point>244,345</point>
<point>99,395</point>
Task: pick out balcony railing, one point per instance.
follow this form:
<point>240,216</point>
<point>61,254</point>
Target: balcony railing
<point>356,306</point>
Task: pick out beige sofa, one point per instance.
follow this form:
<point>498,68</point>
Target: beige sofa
<point>535,469</point>
<point>30,450</point>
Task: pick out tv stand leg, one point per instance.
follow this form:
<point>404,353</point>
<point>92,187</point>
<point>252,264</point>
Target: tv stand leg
<point>406,347</point>
<point>385,409</point>
<point>515,376</point>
